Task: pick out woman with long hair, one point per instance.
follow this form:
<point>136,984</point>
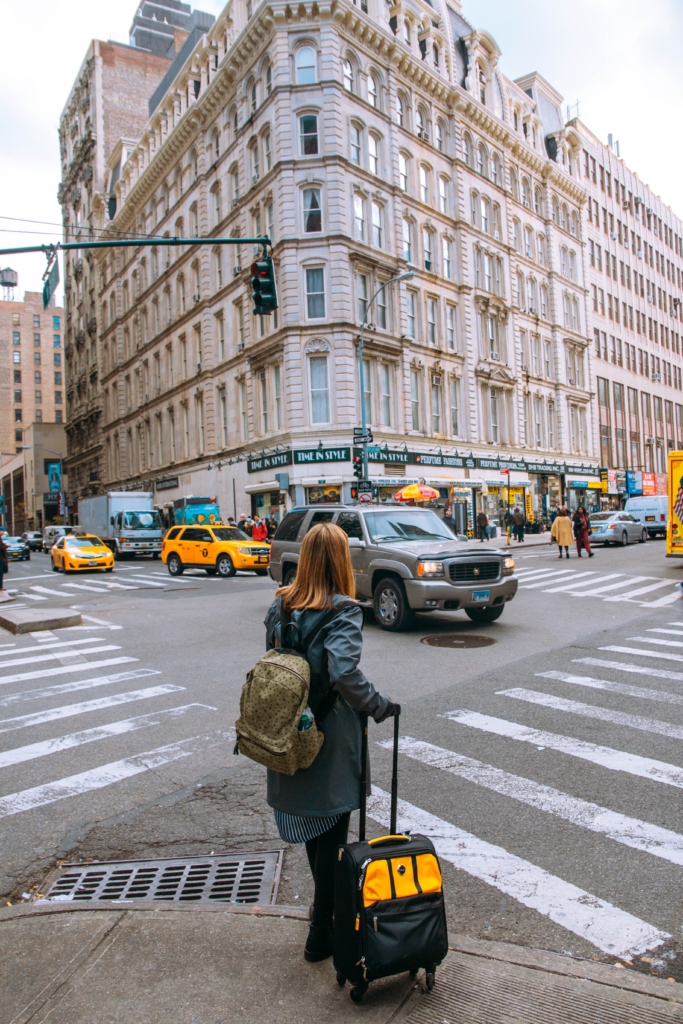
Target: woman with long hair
<point>582,531</point>
<point>314,805</point>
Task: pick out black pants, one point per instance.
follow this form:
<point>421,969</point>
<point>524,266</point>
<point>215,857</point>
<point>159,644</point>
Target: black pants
<point>483,533</point>
<point>322,855</point>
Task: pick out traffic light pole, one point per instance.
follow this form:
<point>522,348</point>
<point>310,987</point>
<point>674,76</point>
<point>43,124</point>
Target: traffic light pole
<point>123,243</point>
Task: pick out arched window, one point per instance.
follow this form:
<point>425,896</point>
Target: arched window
<point>216,143</point>
<point>544,301</point>
<point>563,261</point>
<point>373,153</point>
<point>474,208</point>
<point>574,224</point>
<point>407,241</point>
<point>496,220</point>
<point>467,150</point>
<point>572,266</point>
<point>435,55</point>
<point>216,193</point>
<point>529,243</point>
<point>517,235</point>
<point>403,172</point>
<point>439,136</point>
<point>356,139</point>
<point>564,216</point>
<point>268,76</point>
<point>446,263</point>
<point>194,221</point>
<point>532,305</point>
<point>519,286</point>
<point>400,111</point>
<point>538,202</point>
<point>252,97</point>
<point>424,183</point>
<point>443,194</point>
<point>541,249</point>
<point>428,247</point>
<point>481,78</point>
<point>485,212</point>
<point>514,183</point>
<point>305,65</point>
<point>194,165</point>
<point>422,124</point>
<point>482,160</point>
<point>526,193</point>
<point>496,170</point>
<point>347,74</point>
<point>373,91</point>
<point>556,211</point>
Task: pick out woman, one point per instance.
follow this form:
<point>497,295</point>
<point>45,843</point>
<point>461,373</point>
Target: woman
<point>3,559</point>
<point>582,530</point>
<point>314,805</point>
<point>561,531</point>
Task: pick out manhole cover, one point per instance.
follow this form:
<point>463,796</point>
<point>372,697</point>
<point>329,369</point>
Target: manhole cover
<point>233,878</point>
<point>458,640</point>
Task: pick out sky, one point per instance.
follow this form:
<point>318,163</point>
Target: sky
<point>622,67</point>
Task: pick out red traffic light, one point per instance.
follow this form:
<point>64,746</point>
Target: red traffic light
<point>260,270</point>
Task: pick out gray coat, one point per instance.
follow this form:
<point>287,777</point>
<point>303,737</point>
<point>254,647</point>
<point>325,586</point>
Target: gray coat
<point>332,783</point>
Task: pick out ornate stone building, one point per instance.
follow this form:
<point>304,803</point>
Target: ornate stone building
<point>365,140</point>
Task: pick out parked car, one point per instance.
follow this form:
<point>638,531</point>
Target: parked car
<point>616,528</point>
<point>81,554</point>
<point>51,535</point>
<point>17,549</point>
<point>404,560</point>
<point>652,512</point>
<point>34,539</point>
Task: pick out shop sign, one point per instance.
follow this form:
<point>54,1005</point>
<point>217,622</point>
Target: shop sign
<point>556,468</point>
<point>661,483</point>
<point>269,462</point>
<point>579,485</point>
<point>649,486</point>
<point>166,483</point>
<point>634,481</point>
<point>604,481</point>
<point>311,456</point>
<point>621,481</point>
<point>520,466</point>
<point>421,459</point>
<point>594,485</point>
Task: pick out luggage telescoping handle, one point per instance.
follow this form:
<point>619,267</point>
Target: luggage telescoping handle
<point>364,777</point>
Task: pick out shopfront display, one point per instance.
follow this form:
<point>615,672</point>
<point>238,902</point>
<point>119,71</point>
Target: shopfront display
<point>323,494</point>
<point>268,505</point>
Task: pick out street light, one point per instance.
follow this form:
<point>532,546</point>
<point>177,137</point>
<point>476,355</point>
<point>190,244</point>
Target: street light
<point>405,276</point>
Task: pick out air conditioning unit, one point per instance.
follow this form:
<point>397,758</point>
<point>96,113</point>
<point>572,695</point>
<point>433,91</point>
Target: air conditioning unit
<point>254,178</point>
<point>240,346</point>
<point>638,200</point>
<point>640,255</point>
<point>613,236</point>
<point>236,271</point>
<point>649,440</point>
<point>495,355</point>
<point>572,381</point>
<point>656,376</point>
<point>196,297</point>
<point>436,380</point>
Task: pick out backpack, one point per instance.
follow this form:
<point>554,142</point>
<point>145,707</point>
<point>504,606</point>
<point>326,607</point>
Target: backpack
<point>273,699</point>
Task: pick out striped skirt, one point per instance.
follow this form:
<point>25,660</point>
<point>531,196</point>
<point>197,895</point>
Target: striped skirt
<point>295,828</point>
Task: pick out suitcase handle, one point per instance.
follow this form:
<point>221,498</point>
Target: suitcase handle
<point>364,777</point>
<point>388,839</point>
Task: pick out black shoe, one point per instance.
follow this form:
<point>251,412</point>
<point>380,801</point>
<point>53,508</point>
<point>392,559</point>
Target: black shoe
<point>590,554</point>
<point>580,555</point>
<point>318,944</point>
<point>560,555</point>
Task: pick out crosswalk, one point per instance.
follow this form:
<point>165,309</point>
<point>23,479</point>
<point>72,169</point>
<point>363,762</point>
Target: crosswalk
<point>619,715</point>
<point>91,583</point>
<point>48,707</point>
<point>646,591</point>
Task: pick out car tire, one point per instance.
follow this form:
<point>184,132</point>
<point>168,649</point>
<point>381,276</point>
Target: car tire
<point>261,572</point>
<point>155,555</point>
<point>290,576</point>
<point>225,567</point>
<point>624,539</point>
<point>483,615</point>
<point>390,604</point>
<point>54,568</point>
<point>110,570</point>
<point>643,537</point>
<point>175,566</point>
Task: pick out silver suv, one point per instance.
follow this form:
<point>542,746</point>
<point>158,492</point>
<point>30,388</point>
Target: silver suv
<point>405,560</point>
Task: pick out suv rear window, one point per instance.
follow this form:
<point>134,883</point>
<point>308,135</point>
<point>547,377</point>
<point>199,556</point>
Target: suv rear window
<point>172,534</point>
<point>320,517</point>
<point>289,527</point>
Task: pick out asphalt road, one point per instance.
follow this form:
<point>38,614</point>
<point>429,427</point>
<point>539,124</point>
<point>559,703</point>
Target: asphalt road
<point>547,765</point>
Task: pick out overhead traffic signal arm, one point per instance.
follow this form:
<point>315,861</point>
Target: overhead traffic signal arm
<point>264,291</point>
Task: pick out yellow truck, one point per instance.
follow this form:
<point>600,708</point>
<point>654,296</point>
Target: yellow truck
<point>674,531</point>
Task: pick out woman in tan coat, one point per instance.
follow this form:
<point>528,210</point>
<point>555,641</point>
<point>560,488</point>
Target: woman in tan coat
<point>562,531</point>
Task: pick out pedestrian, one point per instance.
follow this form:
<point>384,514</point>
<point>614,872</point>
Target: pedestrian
<point>483,526</point>
<point>259,530</point>
<point>248,526</point>
<point>242,525</point>
<point>314,805</point>
<point>3,558</point>
<point>231,521</point>
<point>582,530</point>
<point>553,514</point>
<point>561,531</point>
<point>518,521</point>
<point>272,527</point>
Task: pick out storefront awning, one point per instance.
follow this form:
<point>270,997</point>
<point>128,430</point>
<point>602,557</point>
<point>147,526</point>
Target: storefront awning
<point>267,485</point>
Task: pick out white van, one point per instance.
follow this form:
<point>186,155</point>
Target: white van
<point>52,534</point>
<point>652,512</point>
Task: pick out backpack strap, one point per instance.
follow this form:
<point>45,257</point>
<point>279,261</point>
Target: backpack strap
<point>330,696</point>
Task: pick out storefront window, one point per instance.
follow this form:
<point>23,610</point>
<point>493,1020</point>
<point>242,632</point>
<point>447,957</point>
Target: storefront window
<point>324,495</point>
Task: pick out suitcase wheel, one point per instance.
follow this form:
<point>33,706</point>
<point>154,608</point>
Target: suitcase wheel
<point>358,991</point>
<point>430,976</point>
<point>414,972</point>
<point>341,980</point>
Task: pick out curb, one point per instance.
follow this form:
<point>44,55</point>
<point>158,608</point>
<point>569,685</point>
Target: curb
<point>46,908</point>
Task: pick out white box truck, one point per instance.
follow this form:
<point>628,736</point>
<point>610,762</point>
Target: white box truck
<point>126,521</point>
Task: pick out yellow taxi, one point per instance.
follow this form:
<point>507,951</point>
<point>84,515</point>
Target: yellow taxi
<point>81,552</point>
<point>219,550</point>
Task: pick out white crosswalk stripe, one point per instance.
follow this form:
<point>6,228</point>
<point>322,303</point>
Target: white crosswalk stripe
<point>148,582</point>
<point>606,684</point>
<point>76,685</point>
<point>613,930</point>
<point>51,645</point>
<point>656,640</point>
<point>34,658</point>
<point>45,673</point>
<point>593,583</point>
<point>662,655</point>
<point>85,707</point>
<point>641,670</point>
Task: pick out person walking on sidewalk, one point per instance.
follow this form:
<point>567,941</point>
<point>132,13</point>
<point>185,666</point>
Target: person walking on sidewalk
<point>259,530</point>
<point>582,531</point>
<point>561,531</point>
<point>483,526</point>
<point>314,805</point>
<point>518,521</point>
<point>3,559</point>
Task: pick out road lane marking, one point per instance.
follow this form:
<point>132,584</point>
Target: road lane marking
<point>640,835</point>
<point>82,586</point>
<point>576,577</point>
<point>551,578</point>
<point>656,640</point>
<point>86,706</point>
<point>147,581</point>
<point>662,655</point>
<point>107,774</point>
<point>33,597</point>
<point>51,644</point>
<point>605,757</point>
<point>78,684</point>
<point>575,707</point>
<point>667,599</point>
<point>34,658</point>
<point>641,590</point>
<point>47,590</point>
<point>628,582</point>
<point>671,632</point>
<point>613,930</point>
<point>663,696</point>
<point>44,673</point>
<point>575,583</point>
<point>101,732</point>
<point>641,670</point>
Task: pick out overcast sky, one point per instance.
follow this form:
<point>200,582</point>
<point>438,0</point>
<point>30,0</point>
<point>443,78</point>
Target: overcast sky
<point>623,67</point>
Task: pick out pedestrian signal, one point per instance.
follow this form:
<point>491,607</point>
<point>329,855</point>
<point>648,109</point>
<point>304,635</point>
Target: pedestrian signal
<point>358,467</point>
<point>264,292</point>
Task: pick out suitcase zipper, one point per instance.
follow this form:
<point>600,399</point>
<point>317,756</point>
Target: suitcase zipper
<point>361,963</point>
<point>361,877</point>
<point>374,923</point>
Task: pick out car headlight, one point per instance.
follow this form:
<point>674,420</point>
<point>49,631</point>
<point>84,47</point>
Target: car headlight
<point>244,551</point>
<point>430,569</point>
<point>508,566</point>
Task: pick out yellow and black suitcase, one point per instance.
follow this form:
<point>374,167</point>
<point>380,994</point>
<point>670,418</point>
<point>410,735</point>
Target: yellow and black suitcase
<point>389,913</point>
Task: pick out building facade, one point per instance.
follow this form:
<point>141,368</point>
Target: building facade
<point>32,384</point>
<point>32,483</point>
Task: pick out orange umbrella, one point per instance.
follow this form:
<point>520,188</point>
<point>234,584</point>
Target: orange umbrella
<point>416,492</point>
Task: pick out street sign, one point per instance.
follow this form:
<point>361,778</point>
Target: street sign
<point>374,450</point>
<point>365,498</point>
<point>364,486</point>
<point>361,436</point>
<point>51,283</point>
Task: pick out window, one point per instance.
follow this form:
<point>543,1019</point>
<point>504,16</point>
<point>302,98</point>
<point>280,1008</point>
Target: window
<point>347,75</point>
<point>367,390</point>
<point>362,293</point>
<point>355,137</point>
<point>312,210</point>
<point>467,150</point>
<point>403,172</point>
<point>58,377</point>
<point>438,136</point>
<point>482,160</point>
<point>305,65</point>
<point>242,394</point>
<point>400,112</point>
<point>277,394</point>
<point>385,396</point>
<point>267,153</point>
<point>529,243</point>
<point>455,406</point>
<point>485,215</point>
<point>218,267</point>
<point>450,326</point>
<point>359,217</point>
<point>446,258</point>
<point>422,125</point>
<point>415,399</point>
<point>308,134</point>
<point>58,415</point>
<point>373,97</point>
<point>431,321</point>
<point>55,323</point>
<point>57,358</point>
<point>427,248</point>
<point>411,314</point>
<point>424,184</point>
<point>320,394</point>
<point>315,293</point>
<point>382,309</point>
<point>481,78</point>
<point>373,153</point>
<point>436,405</point>
<point>269,79</point>
<point>376,212</point>
<point>443,195</point>
<point>493,406</point>
<point>263,389</point>
<point>407,247</point>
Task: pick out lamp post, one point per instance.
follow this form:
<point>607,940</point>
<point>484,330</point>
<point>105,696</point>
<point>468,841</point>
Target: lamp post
<point>405,276</point>
<point>40,447</point>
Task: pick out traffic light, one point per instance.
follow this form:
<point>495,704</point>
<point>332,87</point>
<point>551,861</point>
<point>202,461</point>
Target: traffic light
<point>358,467</point>
<point>264,292</point>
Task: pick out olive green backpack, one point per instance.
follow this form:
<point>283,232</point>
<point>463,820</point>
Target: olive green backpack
<point>273,699</point>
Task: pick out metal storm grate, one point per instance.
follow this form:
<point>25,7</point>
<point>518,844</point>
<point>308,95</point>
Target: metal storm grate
<point>233,878</point>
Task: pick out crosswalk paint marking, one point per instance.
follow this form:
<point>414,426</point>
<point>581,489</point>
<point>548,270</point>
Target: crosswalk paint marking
<point>628,582</point>
<point>656,640</point>
<point>34,658</point>
<point>662,655</point>
<point>110,585</point>
<point>33,597</point>
<point>147,581</point>
<point>671,632</point>
<point>106,774</point>
<point>48,590</point>
<point>101,732</point>
<point>613,930</point>
<point>641,590</point>
<point>640,835</point>
<point>663,696</point>
<point>575,584</point>
<point>20,677</point>
<point>78,684</point>
<point>51,645</point>
<point>663,601</point>
<point>83,586</point>
<point>85,707</point>
<point>552,578</point>
<point>576,577</point>
<point>43,636</point>
<point>575,707</point>
<point>605,757</point>
<point>641,670</point>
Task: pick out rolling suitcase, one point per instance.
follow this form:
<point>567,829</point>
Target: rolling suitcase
<point>389,913</point>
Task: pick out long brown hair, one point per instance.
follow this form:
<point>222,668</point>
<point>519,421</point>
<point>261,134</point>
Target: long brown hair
<point>324,570</point>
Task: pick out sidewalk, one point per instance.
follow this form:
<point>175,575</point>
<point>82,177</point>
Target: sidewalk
<point>169,964</point>
<point>530,540</point>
